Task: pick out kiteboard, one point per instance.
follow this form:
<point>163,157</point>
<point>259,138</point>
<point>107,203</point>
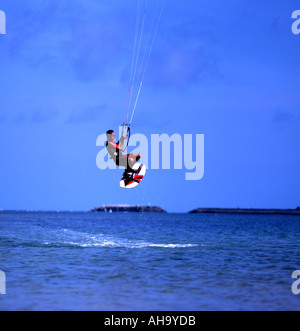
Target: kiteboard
<point>131,180</point>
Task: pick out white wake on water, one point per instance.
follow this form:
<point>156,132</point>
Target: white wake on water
<point>67,237</point>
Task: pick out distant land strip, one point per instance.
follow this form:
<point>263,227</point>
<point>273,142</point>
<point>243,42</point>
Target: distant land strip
<point>155,209</point>
<point>250,211</point>
<point>127,208</point>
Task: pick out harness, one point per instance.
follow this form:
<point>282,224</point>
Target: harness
<point>114,153</point>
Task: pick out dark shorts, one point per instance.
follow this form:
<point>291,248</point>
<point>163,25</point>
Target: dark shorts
<point>122,161</point>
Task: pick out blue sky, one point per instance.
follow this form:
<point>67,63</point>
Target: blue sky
<point>227,70</point>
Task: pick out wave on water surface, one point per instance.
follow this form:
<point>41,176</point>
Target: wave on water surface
<point>66,237</point>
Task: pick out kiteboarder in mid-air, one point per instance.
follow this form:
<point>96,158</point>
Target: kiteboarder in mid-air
<point>134,171</point>
<point>115,151</point>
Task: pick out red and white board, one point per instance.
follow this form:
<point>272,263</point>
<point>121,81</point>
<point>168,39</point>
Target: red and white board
<point>131,182</point>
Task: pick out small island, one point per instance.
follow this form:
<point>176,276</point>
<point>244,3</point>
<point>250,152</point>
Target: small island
<point>128,208</point>
<point>250,211</point>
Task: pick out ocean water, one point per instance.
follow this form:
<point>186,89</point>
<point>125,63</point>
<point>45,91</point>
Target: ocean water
<point>148,261</point>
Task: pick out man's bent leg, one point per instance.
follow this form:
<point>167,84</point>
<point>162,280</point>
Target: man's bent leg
<point>132,159</point>
<point>128,161</point>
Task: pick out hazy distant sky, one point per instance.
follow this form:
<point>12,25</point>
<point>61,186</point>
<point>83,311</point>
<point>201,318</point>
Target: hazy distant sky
<point>225,69</point>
